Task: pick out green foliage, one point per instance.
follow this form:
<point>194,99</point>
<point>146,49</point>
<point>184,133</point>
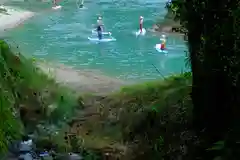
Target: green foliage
<point>90,155</point>
<point>174,7</point>
<point>54,142</point>
<point>177,9</point>
<point>23,84</point>
<point>156,93</point>
<point>76,144</point>
<point>217,146</point>
<point>211,27</point>
<point>9,126</point>
<point>130,113</point>
<point>169,118</point>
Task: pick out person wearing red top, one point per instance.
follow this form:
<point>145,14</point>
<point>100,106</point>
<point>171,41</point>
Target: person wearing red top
<point>163,43</point>
<point>162,46</point>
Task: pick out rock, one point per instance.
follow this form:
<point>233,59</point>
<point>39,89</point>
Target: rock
<point>74,156</point>
<point>155,27</point>
<point>70,156</point>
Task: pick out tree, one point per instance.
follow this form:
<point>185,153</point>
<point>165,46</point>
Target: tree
<point>213,42</point>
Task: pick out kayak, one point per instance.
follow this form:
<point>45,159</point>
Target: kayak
<point>158,46</point>
<point>141,33</point>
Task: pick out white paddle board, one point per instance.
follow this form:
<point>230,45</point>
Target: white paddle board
<point>83,8</point>
<point>56,7</point>
<point>102,40</point>
<point>104,33</point>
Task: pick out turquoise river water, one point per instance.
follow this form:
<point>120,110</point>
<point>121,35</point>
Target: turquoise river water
<point>61,36</point>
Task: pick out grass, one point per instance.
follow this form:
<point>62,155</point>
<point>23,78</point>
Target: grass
<point>127,114</point>
<point>25,87</point>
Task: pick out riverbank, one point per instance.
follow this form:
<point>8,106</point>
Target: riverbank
<point>84,81</point>
<point>11,17</point>
<point>168,25</point>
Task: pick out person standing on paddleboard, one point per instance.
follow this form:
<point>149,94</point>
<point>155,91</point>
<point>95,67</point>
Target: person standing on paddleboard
<point>55,3</point>
<point>99,27</point>
<point>141,24</point>
<point>163,43</point>
<point>81,5</point>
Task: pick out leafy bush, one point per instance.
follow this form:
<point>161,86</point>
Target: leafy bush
<point>27,94</point>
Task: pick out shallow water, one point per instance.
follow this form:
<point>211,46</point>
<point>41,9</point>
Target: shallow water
<point>62,36</point>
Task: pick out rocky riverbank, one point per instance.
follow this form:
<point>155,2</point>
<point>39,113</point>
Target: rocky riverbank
<point>168,25</point>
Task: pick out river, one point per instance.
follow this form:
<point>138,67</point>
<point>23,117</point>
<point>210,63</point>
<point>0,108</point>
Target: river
<point>61,36</point>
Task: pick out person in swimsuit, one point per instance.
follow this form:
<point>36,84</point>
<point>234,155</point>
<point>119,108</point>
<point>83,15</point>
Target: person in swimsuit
<point>141,23</point>
<point>81,5</point>
<point>99,27</point>
<point>55,3</point>
<point>163,43</point>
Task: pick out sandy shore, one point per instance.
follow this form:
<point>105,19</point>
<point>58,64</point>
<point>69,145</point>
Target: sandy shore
<point>87,81</point>
<point>13,17</point>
